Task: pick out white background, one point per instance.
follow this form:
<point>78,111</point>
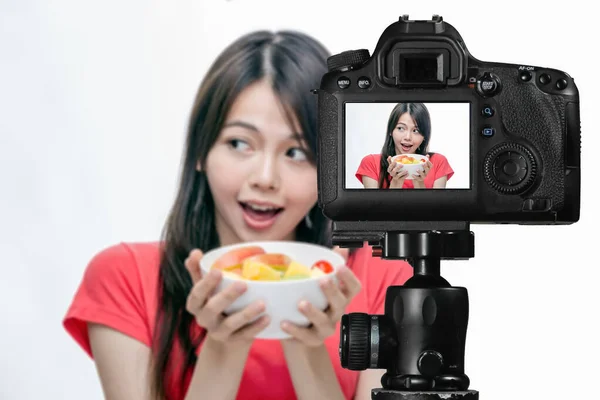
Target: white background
<point>366,131</point>
<point>94,98</point>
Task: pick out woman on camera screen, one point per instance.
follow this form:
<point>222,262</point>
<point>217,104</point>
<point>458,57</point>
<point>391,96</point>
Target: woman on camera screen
<point>144,312</point>
<point>408,132</point>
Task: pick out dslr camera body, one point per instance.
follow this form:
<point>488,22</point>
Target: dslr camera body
<point>507,150</point>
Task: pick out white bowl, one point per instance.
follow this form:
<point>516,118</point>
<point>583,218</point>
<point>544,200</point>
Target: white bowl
<point>281,298</point>
<point>412,169</point>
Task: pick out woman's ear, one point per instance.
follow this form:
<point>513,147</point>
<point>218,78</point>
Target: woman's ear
<point>198,166</point>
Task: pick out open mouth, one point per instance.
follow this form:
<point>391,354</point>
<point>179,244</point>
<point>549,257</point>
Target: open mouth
<point>406,148</point>
<point>260,216</point>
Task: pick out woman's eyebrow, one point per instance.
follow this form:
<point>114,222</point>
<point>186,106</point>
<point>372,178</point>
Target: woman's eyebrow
<point>241,124</point>
<point>249,126</point>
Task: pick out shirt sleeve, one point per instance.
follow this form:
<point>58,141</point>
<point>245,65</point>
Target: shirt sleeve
<point>109,294</point>
<point>443,167</point>
<point>368,167</point>
<point>382,274</point>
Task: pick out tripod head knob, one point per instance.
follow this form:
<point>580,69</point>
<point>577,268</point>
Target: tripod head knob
<point>430,363</point>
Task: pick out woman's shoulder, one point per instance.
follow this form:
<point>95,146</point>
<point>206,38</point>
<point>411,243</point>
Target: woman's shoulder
<point>372,157</point>
<point>437,158</point>
<point>128,260</point>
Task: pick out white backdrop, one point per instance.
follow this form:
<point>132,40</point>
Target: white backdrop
<point>366,130</point>
<point>94,98</point>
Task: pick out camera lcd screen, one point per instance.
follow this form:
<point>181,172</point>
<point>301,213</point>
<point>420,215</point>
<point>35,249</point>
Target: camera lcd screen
<point>407,145</point>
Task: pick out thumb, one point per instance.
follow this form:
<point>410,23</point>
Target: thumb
<point>192,264</point>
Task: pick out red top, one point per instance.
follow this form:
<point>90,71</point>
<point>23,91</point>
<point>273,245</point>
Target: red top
<point>370,166</point>
<point>119,289</point>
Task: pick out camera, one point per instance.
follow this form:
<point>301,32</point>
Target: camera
<point>511,133</point>
<point>478,142</point>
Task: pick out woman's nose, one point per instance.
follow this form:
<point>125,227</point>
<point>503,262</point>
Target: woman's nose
<point>264,173</point>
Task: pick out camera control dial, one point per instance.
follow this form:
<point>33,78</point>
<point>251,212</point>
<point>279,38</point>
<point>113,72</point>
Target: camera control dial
<point>510,168</point>
<point>347,60</point>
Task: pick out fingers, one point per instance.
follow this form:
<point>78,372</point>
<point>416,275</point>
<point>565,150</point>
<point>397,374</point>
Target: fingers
<point>391,167</point>
<point>219,302</point>
<point>307,336</point>
<point>208,311</point>
<point>192,264</point>
<point>349,284</point>
<point>419,176</point>
<point>202,290</point>
<point>238,320</point>
<point>336,299</point>
<point>250,331</point>
<point>397,171</point>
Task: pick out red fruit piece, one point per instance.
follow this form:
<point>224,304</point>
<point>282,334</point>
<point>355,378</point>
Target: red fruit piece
<point>234,258</point>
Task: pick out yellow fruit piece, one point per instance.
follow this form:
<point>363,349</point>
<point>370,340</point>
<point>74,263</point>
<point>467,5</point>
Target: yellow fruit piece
<point>296,271</point>
<point>257,271</point>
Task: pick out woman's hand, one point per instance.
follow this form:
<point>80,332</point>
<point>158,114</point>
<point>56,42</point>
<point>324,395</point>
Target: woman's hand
<point>323,323</point>
<point>419,177</point>
<point>397,173</point>
<point>208,308</point>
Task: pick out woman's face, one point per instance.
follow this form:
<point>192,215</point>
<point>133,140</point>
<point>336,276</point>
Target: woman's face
<point>406,135</point>
<point>259,174</point>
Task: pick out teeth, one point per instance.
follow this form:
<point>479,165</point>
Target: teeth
<point>261,208</point>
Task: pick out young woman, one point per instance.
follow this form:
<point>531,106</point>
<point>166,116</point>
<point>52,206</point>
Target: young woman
<point>408,132</point>
<point>143,311</point>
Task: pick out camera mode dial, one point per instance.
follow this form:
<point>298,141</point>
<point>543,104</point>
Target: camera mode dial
<point>347,60</point>
<point>510,168</point>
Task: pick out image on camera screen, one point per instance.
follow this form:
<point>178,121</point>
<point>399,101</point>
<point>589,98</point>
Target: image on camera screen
<point>407,145</point>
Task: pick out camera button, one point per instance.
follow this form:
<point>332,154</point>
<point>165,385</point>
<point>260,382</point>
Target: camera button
<point>488,131</point>
<point>364,82</point>
<point>544,79</point>
<point>525,76</point>
<point>561,84</point>
<point>343,82</point>
<point>488,85</point>
<point>487,111</point>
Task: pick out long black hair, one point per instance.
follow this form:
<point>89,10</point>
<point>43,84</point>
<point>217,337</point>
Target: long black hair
<point>293,63</point>
<point>420,115</point>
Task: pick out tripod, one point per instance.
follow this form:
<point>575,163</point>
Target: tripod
<point>420,339</point>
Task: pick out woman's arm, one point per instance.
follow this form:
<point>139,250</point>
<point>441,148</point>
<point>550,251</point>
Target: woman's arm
<point>312,372</point>
<point>440,183</point>
<point>369,183</point>
<point>122,364</point>
<point>367,380</point>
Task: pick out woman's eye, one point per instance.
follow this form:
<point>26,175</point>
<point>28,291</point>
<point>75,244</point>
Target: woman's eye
<point>238,144</point>
<point>298,154</point>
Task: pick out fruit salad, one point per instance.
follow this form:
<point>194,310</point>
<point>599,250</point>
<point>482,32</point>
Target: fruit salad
<point>255,264</point>
<point>410,160</point>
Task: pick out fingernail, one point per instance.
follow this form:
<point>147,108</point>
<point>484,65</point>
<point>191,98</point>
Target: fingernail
<point>324,282</point>
<point>214,273</point>
<point>303,305</point>
<point>285,325</point>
